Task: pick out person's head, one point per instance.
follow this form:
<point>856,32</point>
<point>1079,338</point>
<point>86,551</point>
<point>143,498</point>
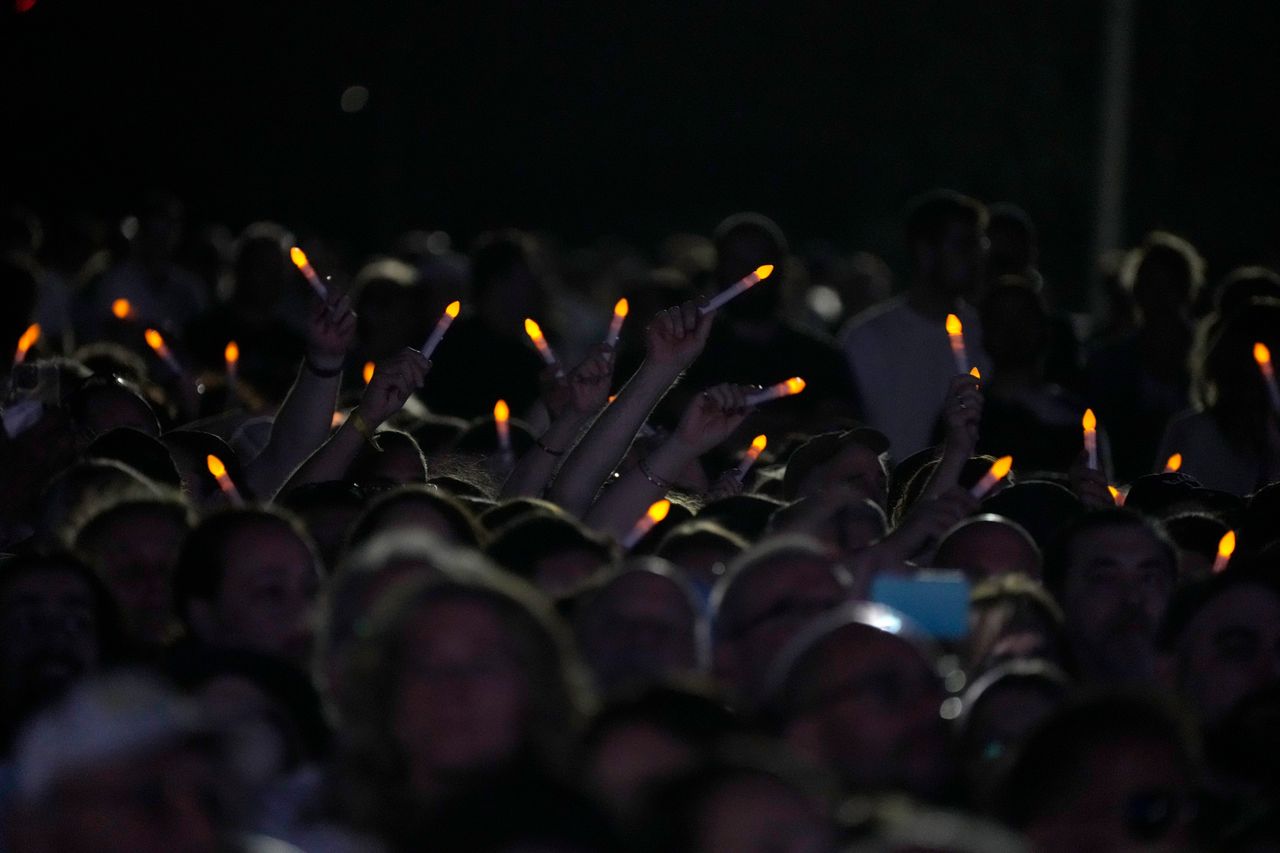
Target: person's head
<point>745,241</point>
<point>327,510</point>
<point>1113,571</point>
<point>1015,324</point>
<point>1164,274</point>
<point>79,491</point>
<point>1222,638</point>
<point>391,306</point>
<point>843,521</point>
<point>983,546</point>
<point>190,450</point>
<point>851,460</point>
<point>1000,708</point>
<point>123,765</point>
<point>1039,507</point>
<point>1107,772</point>
<point>261,266</point>
<point>641,624</point>
<point>133,545</point>
<point>1228,379</point>
<point>506,279</point>
<point>554,553</point>
<point>141,452</point>
<point>1011,617</point>
<point>395,461</point>
<point>424,508</point>
<point>1196,534</point>
<point>160,223</point>
<point>766,596</point>
<point>247,579</point>
<point>458,677</point>
<point>857,691</point>
<point>1242,285</point>
<point>947,243</point>
<point>1014,245</point>
<point>57,624</point>
<point>640,739</point>
<point>104,403</point>
<point>701,550</point>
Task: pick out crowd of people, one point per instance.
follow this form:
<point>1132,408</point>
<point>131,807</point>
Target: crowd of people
<point>276,576</point>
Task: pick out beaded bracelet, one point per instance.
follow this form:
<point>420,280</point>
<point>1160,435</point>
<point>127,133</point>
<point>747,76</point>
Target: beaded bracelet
<point>547,450</point>
<point>652,477</point>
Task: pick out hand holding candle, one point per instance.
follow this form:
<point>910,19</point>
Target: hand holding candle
<point>534,331</point>
<point>442,325</point>
<point>1090,424</point>
<point>739,287</point>
<point>999,470</point>
<point>28,339</point>
<point>300,261</point>
<point>156,341</point>
<point>655,514</point>
<point>1262,355</point>
<point>955,332</point>
<point>219,471</point>
<point>1226,547</point>
<point>620,311</point>
<point>757,447</point>
<point>789,388</point>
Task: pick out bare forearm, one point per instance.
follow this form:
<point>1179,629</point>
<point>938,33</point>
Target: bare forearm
<point>625,501</point>
<point>332,459</point>
<point>302,425</point>
<point>538,465</point>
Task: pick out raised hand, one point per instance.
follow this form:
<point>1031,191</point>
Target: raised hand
<point>393,381</point>
<point>676,337</point>
<point>963,413</point>
<point>584,391</point>
<point>331,330</point>
<point>1089,484</point>
<point>712,417</point>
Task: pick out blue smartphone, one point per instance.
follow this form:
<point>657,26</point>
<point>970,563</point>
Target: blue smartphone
<point>935,599</point>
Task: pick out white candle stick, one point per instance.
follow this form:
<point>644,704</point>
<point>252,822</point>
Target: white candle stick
<point>1090,424</point>
<point>749,458</point>
<point>1262,355</point>
<point>534,331</point>
<point>300,261</point>
<point>219,471</point>
<point>232,357</point>
<point>955,332</point>
<point>1226,547</point>
<point>620,311</point>
<point>652,516</point>
<point>740,286</point>
<point>156,341</point>
<point>442,326</point>
<point>999,470</point>
<point>502,420</point>
<point>792,386</point>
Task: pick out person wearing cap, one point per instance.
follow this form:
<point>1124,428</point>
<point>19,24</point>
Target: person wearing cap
<point>854,459</point>
<point>857,691</point>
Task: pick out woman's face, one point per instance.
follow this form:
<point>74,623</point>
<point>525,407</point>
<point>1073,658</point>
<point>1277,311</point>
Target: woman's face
<point>461,705</point>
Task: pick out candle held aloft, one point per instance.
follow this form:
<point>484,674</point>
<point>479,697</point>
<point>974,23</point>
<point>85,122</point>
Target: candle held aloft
<point>28,339</point>
<point>1090,424</point>
<point>1173,464</point>
<point>1226,547</point>
<point>656,512</point>
<point>620,311</point>
<point>534,331</point>
<point>998,471</point>
<point>740,286</point>
<point>231,355</point>
<point>442,325</point>
<point>219,471</point>
<point>757,447</point>
<point>502,420</point>
<point>156,341</point>
<point>300,261</point>
<point>955,333</point>
<point>789,388</point>
<point>1262,355</point>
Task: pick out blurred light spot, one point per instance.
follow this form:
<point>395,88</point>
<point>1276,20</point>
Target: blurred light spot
<point>438,242</point>
<point>825,302</point>
<point>24,5</point>
<point>954,681</point>
<point>951,708</point>
<point>354,99</point>
<point>129,227</point>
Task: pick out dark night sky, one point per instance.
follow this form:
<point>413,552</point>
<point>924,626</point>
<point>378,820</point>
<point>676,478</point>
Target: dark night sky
<point>642,118</point>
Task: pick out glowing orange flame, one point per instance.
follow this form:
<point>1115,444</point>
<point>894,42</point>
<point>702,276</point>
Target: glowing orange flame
<point>501,412</point>
<point>232,353</point>
<point>1089,421</point>
<point>1174,463</point>
<point>658,510</point>
<point>1261,354</point>
<point>953,325</point>
<point>28,339</point>
<point>533,330</point>
<point>154,339</point>
<point>216,468</point>
<point>1002,467</point>
<point>622,308</point>
<point>1115,493</point>
<point>299,258</point>
<point>975,373</point>
<point>367,372</point>
<point>764,271</point>
<point>759,443</point>
<point>453,308</point>
<point>1227,545</point>
<point>795,385</point>
<point>122,309</point>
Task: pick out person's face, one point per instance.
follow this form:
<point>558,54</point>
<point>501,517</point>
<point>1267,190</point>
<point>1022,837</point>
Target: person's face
<point>152,804</point>
<point>269,583</point>
<point>856,470</point>
<point>642,625</point>
<point>1230,649</point>
<point>630,759</point>
<point>774,603</point>
<point>756,814</point>
<point>987,549</point>
<point>1136,798</point>
<point>875,716</point>
<point>1002,719</point>
<point>957,259</point>
<point>462,702</point>
<point>328,526</point>
<point>48,635</point>
<point>1116,590</point>
<point>135,554</point>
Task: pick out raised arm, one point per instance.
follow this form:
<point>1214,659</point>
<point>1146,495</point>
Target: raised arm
<point>392,383</point>
<point>306,415</point>
<point>673,340</point>
<point>572,401</point>
<point>710,419</point>
<point>962,414</point>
